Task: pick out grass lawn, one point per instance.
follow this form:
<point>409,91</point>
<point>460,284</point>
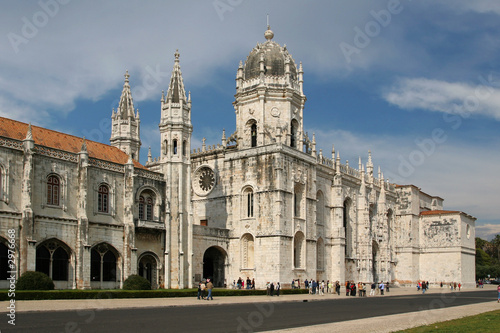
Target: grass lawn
<point>485,322</point>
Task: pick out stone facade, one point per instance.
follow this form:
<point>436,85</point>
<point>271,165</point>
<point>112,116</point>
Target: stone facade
<point>263,203</point>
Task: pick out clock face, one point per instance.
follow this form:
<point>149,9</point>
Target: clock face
<point>204,181</point>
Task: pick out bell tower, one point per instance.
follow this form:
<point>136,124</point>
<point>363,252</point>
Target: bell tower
<point>269,99</point>
<point>175,132</point>
<point>125,124</point>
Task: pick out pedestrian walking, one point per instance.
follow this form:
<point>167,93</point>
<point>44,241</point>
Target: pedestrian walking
<point>372,289</point>
<point>210,286</point>
<point>498,289</point>
<point>271,287</point>
<point>278,287</point>
<point>459,285</point>
<point>337,287</point>
<point>201,290</point>
<point>381,287</point>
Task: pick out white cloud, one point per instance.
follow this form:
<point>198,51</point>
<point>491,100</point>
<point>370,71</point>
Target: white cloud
<point>449,169</point>
<point>479,6</point>
<point>487,231</point>
<point>448,97</point>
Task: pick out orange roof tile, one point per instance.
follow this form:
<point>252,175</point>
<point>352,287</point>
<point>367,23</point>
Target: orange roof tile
<point>44,137</point>
<point>438,212</point>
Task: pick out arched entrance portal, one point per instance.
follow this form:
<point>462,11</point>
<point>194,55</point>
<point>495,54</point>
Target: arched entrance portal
<point>148,269</point>
<point>213,265</point>
<point>375,259</point>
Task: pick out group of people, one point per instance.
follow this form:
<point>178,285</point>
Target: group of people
<point>273,288</point>
<point>424,286</point>
<point>242,284</point>
<point>205,286</point>
<point>320,288</point>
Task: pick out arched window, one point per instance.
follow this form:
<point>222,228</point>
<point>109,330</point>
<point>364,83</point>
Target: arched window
<point>102,264</point>
<point>253,131</point>
<point>60,265</point>
<point>53,260</point>
<point>247,251</point>
<point>320,252</point>
<point>4,261</point>
<point>165,147</point>
<point>347,228</point>
<point>141,208</point>
<point>103,199</point>
<point>249,202</point>
<point>53,190</point>
<point>43,260</point>
<point>320,208</point>
<point>149,208</point>
<point>147,201</point>
<point>297,200</point>
<point>184,145</point>
<point>293,134</point>
<point>298,250</point>
<point>175,147</point>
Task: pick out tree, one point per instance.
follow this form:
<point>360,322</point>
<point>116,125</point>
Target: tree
<point>482,258</point>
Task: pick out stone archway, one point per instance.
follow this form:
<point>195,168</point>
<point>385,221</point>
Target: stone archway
<point>214,268</point>
<point>148,269</point>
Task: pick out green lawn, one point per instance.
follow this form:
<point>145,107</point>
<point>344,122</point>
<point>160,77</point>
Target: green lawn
<point>485,322</point>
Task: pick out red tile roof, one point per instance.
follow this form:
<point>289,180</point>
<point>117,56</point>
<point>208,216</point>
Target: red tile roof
<point>439,212</point>
<point>44,137</point>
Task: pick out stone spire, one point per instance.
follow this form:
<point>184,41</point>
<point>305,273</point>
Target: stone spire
<point>125,124</point>
<point>369,164</point>
<point>126,105</point>
<point>176,91</point>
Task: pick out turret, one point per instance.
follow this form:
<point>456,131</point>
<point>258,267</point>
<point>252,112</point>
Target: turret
<point>125,124</point>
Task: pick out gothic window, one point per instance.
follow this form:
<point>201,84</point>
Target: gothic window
<point>320,252</point>
<point>103,199</point>
<point>254,135</point>
<point>149,208</point>
<point>53,260</point>
<point>249,202</point>
<point>141,208</point>
<point>347,228</point>
<point>166,147</point>
<point>320,208</point>
<point>147,201</point>
<point>184,145</point>
<point>297,200</point>
<point>293,134</point>
<point>102,264</point>
<point>4,261</point>
<point>298,250</point>
<point>175,147</point>
<point>247,251</point>
<point>53,190</point>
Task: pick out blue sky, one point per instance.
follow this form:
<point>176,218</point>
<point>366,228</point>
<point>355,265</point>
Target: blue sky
<point>415,82</point>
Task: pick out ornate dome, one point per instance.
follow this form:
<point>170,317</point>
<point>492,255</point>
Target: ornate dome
<point>275,58</point>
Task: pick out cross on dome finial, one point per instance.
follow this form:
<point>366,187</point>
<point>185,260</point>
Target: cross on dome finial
<point>126,75</point>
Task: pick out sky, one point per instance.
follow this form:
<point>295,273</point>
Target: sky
<point>415,82</point>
